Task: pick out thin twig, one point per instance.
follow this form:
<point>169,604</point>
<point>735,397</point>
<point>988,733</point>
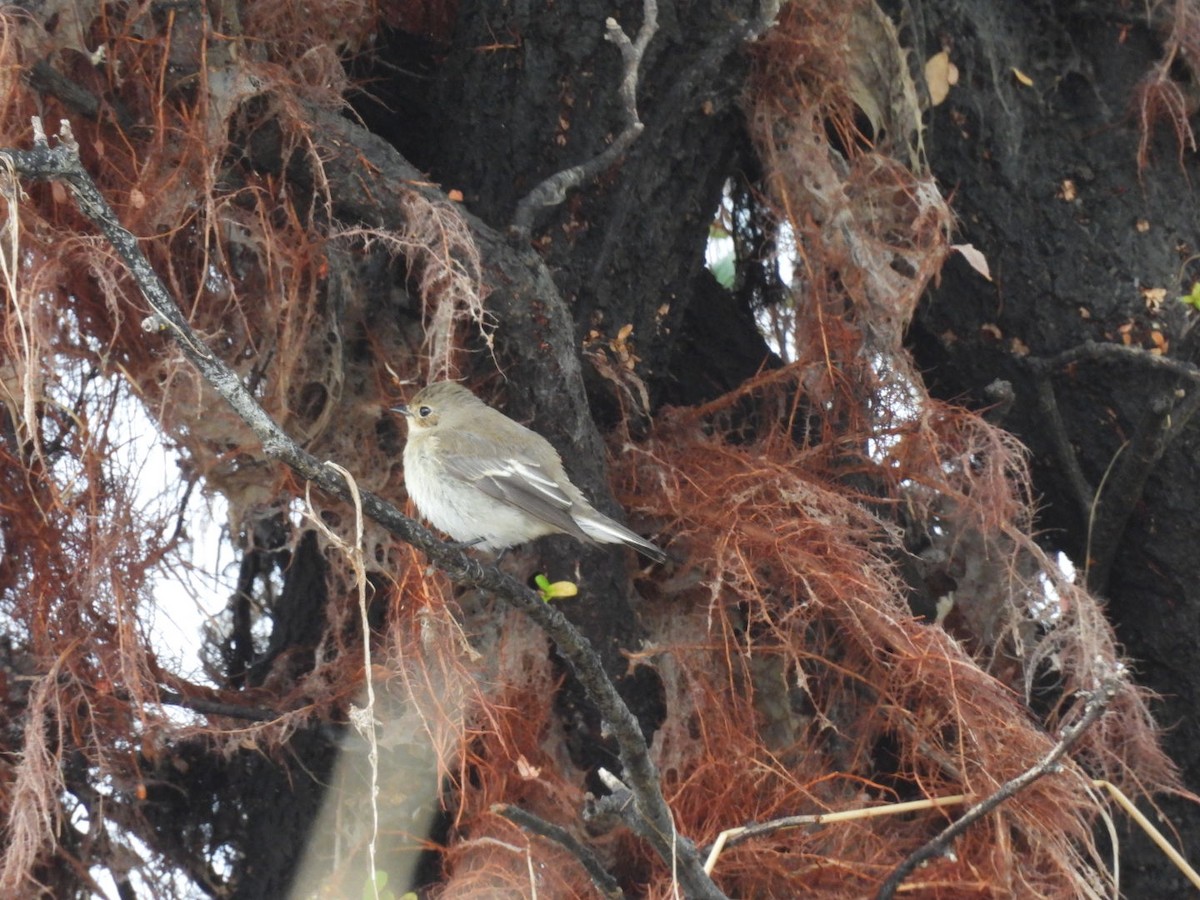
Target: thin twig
<point>553,190</point>
<point>1093,515</point>
<point>217,707</point>
<point>62,163</point>
<point>731,837</point>
<point>1097,702</point>
<point>1105,352</point>
<point>605,883</point>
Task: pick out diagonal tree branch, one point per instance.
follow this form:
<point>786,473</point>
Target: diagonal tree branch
<point>1108,511</point>
<point>62,163</point>
<point>600,877</point>
<point>1097,702</point>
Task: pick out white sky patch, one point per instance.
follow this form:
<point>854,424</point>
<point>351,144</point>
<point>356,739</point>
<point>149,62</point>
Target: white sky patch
<point>193,583</point>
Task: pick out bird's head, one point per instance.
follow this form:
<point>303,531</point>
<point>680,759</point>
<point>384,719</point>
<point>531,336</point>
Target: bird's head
<point>438,404</point>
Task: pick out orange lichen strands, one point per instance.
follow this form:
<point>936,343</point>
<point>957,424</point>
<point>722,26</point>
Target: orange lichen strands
<point>799,682</point>
<point>1160,97</point>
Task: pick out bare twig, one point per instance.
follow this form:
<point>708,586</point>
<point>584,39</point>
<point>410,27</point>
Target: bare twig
<point>1105,352</point>
<point>553,190</point>
<point>731,837</point>
<point>605,883</point>
<point>217,707</point>
<point>1092,516</point>
<point>62,163</point>
<point>1097,702</point>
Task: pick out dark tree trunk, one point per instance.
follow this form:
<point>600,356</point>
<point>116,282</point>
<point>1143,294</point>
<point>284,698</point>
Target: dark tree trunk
<point>1084,246</point>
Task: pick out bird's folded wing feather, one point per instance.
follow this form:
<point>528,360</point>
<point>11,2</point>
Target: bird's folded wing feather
<point>519,483</point>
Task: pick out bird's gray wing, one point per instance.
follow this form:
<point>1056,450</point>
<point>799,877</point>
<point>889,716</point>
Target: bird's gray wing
<point>519,483</point>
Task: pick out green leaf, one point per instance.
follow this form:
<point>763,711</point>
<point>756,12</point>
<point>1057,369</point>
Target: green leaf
<point>1192,299</point>
<point>724,271</point>
<point>556,591</point>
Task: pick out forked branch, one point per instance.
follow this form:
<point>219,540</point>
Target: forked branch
<point>553,190</point>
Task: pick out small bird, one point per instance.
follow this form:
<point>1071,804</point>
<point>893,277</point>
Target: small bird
<point>490,482</point>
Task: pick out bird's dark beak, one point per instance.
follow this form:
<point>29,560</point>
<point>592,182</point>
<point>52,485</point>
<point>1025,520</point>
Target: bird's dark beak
<point>402,409</point>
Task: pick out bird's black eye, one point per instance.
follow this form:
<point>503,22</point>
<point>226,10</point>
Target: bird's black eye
<point>424,412</point>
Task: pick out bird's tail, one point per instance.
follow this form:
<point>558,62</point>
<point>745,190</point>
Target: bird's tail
<point>604,530</point>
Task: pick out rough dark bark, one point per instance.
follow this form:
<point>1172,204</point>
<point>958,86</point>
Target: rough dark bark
<point>1046,183</point>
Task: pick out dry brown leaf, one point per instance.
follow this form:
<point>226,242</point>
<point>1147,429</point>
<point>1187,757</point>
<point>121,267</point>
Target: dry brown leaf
<point>1154,297</point>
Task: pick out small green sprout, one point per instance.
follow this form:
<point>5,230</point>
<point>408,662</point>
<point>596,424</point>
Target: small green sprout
<point>556,591</point>
<point>1192,299</point>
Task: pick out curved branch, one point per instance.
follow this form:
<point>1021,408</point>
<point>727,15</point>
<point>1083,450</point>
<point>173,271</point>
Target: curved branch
<point>1100,351</point>
<point>600,876</point>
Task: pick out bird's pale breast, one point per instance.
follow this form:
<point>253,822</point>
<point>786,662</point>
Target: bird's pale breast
<point>459,508</point>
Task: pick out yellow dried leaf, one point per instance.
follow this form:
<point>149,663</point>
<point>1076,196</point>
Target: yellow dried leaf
<point>940,74</point>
